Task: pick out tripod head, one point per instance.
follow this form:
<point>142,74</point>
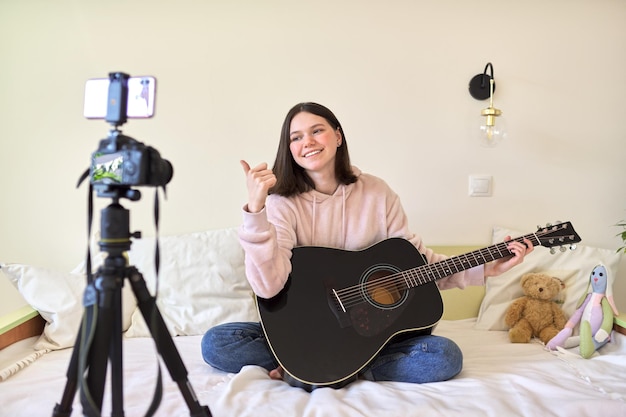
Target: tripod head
<point>115,221</point>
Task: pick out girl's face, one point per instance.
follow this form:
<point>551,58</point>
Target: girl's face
<point>313,142</point>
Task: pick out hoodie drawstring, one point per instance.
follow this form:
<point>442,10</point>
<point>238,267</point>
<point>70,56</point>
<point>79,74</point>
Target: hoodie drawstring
<point>313,225</point>
<point>343,217</point>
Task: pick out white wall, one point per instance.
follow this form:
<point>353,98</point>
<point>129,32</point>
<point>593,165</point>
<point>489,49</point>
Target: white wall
<point>394,72</point>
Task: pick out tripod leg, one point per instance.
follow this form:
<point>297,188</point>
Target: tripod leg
<point>85,359</point>
<point>92,394</point>
<point>115,354</point>
<point>64,408</point>
<point>165,344</point>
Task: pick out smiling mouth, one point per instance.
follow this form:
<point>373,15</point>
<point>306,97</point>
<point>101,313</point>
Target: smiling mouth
<point>312,153</point>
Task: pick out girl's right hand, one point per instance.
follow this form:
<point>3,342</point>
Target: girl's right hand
<point>259,180</point>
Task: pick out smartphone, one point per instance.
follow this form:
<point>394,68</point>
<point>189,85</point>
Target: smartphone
<point>141,97</point>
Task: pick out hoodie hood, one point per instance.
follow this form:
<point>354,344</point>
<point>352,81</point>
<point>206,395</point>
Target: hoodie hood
<point>318,197</point>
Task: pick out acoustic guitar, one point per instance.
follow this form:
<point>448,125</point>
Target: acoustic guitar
<point>340,308</point>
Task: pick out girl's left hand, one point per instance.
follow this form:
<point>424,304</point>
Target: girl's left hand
<point>518,249</point>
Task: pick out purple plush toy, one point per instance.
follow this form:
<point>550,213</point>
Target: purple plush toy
<point>595,314</point>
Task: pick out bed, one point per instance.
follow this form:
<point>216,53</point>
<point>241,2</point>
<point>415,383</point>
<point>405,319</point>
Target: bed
<point>202,283</point>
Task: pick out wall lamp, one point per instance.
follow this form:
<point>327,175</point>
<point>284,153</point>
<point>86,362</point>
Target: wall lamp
<point>481,87</point>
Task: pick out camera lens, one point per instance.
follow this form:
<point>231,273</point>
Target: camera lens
<point>166,172</point>
<point>161,171</point>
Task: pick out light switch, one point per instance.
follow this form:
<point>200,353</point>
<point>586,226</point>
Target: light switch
<point>480,185</point>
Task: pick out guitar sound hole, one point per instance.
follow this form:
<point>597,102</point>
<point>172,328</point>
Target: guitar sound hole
<point>382,290</point>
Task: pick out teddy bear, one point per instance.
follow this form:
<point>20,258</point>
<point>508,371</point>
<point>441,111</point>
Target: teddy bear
<point>536,314</point>
<point>594,314</point>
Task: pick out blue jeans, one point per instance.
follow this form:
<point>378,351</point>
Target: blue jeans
<point>418,359</point>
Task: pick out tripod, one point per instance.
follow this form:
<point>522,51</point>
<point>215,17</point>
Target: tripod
<point>100,336</point>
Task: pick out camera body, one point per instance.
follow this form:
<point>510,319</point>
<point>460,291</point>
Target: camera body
<point>121,160</point>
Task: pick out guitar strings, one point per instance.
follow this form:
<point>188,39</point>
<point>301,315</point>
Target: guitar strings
<point>400,281</point>
<point>414,277</point>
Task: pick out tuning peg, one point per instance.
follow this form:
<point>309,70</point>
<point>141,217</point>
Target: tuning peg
<point>573,246</point>
<point>552,251</point>
<point>562,248</point>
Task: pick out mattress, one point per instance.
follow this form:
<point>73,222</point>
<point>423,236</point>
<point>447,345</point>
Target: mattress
<point>498,379</point>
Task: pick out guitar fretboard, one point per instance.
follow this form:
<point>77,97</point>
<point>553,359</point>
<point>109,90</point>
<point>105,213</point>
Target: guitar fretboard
<point>438,270</point>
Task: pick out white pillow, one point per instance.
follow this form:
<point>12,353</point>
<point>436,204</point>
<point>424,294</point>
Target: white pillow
<point>202,281</point>
<point>573,267</point>
<point>57,296</point>
<point>202,284</point>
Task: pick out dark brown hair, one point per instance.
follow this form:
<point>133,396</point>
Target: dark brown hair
<point>291,178</point>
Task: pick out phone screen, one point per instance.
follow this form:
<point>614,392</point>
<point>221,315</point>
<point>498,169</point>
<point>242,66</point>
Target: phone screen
<point>141,97</point>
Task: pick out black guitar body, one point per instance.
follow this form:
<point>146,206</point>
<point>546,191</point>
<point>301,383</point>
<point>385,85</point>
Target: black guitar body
<point>318,343</point>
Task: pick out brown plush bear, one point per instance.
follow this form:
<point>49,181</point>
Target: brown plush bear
<point>536,314</point>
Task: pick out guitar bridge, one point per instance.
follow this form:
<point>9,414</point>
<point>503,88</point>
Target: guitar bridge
<point>338,309</point>
<point>339,300</point>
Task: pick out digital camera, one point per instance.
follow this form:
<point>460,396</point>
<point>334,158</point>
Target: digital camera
<point>122,160</point>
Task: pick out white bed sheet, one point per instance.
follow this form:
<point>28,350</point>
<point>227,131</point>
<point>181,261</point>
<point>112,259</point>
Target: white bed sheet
<point>498,379</point>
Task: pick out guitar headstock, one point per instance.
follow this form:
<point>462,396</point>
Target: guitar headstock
<point>561,234</point>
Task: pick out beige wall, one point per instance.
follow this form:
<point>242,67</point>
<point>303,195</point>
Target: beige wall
<point>394,72</point>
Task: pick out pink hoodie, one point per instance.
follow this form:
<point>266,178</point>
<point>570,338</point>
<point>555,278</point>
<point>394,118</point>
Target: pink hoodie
<point>355,217</point>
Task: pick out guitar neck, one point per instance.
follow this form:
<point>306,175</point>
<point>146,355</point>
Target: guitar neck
<point>438,270</point>
<point>561,234</point>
